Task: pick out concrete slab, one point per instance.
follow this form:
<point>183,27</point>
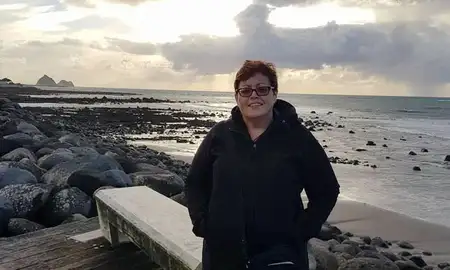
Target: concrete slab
<point>158,225</point>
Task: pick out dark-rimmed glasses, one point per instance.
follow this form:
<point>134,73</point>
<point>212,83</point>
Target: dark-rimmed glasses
<point>261,90</point>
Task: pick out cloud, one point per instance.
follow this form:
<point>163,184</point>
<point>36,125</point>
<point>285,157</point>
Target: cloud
<point>81,3</point>
<point>92,3</point>
<point>414,53</point>
<point>131,47</point>
<point>352,3</point>
<point>83,41</point>
<point>85,64</point>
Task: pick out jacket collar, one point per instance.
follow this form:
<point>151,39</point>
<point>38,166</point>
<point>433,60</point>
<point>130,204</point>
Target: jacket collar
<point>283,113</point>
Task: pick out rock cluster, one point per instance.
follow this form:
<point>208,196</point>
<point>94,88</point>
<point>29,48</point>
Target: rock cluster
<point>48,176</point>
<point>337,250</point>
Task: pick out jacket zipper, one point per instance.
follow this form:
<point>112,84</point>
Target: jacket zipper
<point>244,227</point>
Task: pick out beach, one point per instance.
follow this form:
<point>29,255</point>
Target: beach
<point>364,219</point>
<point>389,158</point>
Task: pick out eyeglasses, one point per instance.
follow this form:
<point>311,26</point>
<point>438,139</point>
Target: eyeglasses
<point>260,90</point>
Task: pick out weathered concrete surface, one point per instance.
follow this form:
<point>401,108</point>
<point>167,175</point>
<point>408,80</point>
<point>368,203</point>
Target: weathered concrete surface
<point>158,225</point>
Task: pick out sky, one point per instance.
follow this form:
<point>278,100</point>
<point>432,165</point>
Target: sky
<point>360,47</point>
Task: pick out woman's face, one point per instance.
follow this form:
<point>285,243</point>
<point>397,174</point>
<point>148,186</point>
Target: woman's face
<point>255,105</point>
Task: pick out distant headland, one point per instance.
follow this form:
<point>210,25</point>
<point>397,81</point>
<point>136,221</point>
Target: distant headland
<point>48,81</point>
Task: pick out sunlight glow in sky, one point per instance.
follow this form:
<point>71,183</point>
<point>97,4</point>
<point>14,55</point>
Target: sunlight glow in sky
<point>379,48</point>
<point>319,15</point>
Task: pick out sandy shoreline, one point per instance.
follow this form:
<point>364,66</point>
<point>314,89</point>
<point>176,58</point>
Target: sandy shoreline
<point>363,219</point>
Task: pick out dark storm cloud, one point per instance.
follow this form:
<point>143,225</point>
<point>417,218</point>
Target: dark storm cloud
<point>414,52</point>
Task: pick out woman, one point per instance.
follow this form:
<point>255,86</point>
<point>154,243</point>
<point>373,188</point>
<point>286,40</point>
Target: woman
<point>243,188</point>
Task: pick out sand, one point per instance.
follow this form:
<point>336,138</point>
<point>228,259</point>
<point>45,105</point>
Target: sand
<point>366,220</point>
<point>363,219</point>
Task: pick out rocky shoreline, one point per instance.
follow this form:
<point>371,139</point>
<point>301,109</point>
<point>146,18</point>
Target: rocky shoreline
<point>52,161</point>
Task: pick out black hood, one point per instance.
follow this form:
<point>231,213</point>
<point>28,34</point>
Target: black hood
<point>283,110</point>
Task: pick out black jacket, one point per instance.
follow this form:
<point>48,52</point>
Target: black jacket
<point>244,197</point>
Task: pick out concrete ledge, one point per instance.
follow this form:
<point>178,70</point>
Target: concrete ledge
<point>158,225</point>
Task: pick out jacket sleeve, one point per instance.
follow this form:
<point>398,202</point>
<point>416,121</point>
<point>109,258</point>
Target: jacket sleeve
<point>321,186</point>
<point>198,185</point>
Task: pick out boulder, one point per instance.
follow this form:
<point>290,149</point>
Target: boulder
<point>20,138</point>
<point>63,204</point>
<point>49,161</point>
<point>28,128</point>
<point>325,260</point>
<point>368,264</point>
<point>7,146</point>
<point>13,176</point>
<point>17,226</point>
<point>90,180</point>
<point>162,181</point>
<point>26,199</point>
<point>6,212</point>
<point>18,154</point>
<point>59,174</point>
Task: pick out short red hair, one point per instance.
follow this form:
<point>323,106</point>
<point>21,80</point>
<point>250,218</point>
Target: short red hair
<point>251,67</point>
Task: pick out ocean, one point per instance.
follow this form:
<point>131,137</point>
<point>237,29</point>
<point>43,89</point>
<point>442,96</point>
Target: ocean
<point>404,124</point>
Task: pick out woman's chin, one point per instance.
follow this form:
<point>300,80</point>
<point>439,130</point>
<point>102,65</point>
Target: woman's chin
<point>255,112</point>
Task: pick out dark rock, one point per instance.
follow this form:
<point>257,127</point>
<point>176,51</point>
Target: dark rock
<point>368,247</point>
<point>328,232</point>
<point>60,173</point>
<point>180,198</point>
<point>84,151</point>
<point>371,254</point>
<point>6,213</point>
<point>90,180</point>
<point>404,253</point>
<point>30,166</point>
<point>324,258</point>
<point>447,158</point>
<point>64,204</point>
<point>74,218</point>
<point>412,153</point>
<point>26,199</point>
<point>164,182</point>
<point>128,165</point>
<point>371,143</point>
<point>28,128</point>
<point>417,168</point>
<point>7,146</point>
<point>50,160</point>
<point>18,226</point>
<point>427,253</point>
<point>43,151</point>
<point>407,265</point>
<point>391,256</point>
<point>346,248</point>
<point>406,245</point>
<point>424,150</point>
<point>443,265</point>
<point>366,239</point>
<point>18,154</point>
<point>418,260</point>
<point>11,176</point>
<point>343,257</point>
<point>378,242</point>
<point>368,264</point>
<point>20,138</point>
